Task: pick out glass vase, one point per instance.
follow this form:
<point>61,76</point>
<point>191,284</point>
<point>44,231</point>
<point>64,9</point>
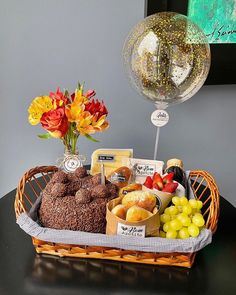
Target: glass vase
<point>71,160</point>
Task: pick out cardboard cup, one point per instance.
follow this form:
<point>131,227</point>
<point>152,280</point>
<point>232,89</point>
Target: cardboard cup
<point>163,198</point>
<point>148,227</point>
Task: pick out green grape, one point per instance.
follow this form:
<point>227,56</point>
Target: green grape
<point>162,234</point>
<point>193,203</point>
<point>193,230</point>
<point>165,218</point>
<point>175,224</point>
<point>183,233</point>
<point>200,204</point>
<point>171,234</point>
<point>184,219</point>
<point>166,226</point>
<point>187,209</point>
<point>172,217</point>
<point>176,201</point>
<point>173,210</point>
<point>198,220</point>
<point>197,214</point>
<point>179,216</point>
<point>183,201</point>
<point>195,211</point>
<point>167,211</point>
<point>180,209</point>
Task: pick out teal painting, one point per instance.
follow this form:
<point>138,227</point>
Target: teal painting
<point>217,18</point>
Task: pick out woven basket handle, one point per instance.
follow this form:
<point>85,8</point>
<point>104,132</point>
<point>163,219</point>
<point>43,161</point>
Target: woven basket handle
<point>25,200</point>
<point>209,195</point>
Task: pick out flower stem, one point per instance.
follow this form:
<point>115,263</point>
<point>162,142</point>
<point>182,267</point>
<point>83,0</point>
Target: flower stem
<point>74,137</point>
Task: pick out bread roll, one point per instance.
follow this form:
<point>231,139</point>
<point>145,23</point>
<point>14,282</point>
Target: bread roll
<point>136,213</point>
<point>120,211</point>
<point>130,188</point>
<point>143,199</point>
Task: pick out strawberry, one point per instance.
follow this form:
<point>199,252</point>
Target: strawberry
<point>157,179</point>
<point>168,178</point>
<point>148,182</point>
<point>170,187</point>
<point>156,186</point>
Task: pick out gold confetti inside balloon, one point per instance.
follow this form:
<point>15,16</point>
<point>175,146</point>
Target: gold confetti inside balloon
<point>167,58</point>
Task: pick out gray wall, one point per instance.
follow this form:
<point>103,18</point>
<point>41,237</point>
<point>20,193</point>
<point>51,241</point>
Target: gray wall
<point>50,43</point>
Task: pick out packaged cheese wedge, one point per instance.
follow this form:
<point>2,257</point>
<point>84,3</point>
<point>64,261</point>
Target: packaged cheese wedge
<point>111,158</point>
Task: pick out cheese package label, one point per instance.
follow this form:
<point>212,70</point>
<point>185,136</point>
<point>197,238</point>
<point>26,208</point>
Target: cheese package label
<point>110,158</point>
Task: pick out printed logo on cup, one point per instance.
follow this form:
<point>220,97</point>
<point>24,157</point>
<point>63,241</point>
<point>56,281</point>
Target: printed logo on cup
<point>160,118</point>
<point>130,230</point>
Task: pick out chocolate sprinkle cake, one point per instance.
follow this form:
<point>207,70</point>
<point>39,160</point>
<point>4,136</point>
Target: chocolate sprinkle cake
<point>76,201</point>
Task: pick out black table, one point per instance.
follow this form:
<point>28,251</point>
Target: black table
<point>22,271</point>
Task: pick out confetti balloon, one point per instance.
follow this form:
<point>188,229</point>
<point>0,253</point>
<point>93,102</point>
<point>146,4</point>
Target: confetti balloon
<point>167,58</point>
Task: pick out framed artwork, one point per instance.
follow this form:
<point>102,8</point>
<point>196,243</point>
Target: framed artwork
<point>217,18</point>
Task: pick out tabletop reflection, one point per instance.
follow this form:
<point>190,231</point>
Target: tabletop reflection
<point>64,275</point>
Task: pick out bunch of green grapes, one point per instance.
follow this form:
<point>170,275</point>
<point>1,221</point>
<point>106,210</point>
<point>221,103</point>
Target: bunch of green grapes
<point>182,220</point>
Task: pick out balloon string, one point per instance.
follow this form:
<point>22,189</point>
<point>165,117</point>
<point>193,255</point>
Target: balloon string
<point>156,143</point>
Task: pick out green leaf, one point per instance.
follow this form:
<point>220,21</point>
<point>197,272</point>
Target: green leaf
<point>91,138</point>
<point>66,93</point>
<point>80,87</point>
<point>45,136</point>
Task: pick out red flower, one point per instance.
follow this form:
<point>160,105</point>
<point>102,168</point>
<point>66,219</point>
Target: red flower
<point>58,97</point>
<point>96,108</point>
<point>55,122</point>
<point>90,93</point>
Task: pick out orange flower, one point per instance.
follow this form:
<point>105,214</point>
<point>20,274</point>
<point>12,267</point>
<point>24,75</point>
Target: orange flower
<point>84,124</point>
<point>55,122</point>
<point>100,124</point>
<point>78,96</point>
<point>73,111</point>
<point>89,124</point>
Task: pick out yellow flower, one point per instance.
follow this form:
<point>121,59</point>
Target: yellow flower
<point>84,124</point>
<point>39,105</point>
<point>101,124</point>
<point>79,97</point>
<point>88,124</point>
<point>73,111</point>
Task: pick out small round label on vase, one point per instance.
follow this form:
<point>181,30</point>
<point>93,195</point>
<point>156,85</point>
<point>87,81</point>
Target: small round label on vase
<point>71,163</point>
<point>159,118</point>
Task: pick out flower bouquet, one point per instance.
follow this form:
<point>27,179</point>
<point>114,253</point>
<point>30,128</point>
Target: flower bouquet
<point>67,116</point>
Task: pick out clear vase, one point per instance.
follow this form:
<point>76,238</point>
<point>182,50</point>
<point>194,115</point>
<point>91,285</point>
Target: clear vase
<point>70,161</point>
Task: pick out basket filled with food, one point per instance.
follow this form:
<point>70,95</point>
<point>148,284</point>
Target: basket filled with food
<point>123,209</point>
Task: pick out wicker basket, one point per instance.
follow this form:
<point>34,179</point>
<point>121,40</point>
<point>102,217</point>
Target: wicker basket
<point>33,181</point>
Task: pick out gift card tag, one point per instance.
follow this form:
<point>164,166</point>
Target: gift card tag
<point>159,118</point>
<point>131,230</point>
<point>144,169</point>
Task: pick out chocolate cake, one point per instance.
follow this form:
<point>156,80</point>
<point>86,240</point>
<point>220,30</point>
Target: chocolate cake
<point>76,201</point>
